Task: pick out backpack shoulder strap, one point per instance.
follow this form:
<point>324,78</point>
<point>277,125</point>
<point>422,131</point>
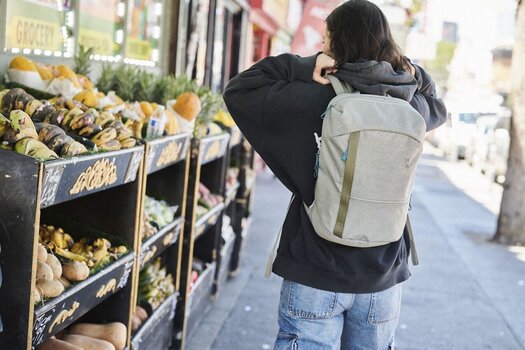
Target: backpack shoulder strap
<point>340,87</point>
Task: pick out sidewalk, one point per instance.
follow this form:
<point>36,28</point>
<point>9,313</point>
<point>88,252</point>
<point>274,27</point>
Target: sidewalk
<point>467,293</point>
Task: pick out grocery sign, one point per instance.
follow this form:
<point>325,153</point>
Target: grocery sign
<point>33,25</point>
<point>309,37</point>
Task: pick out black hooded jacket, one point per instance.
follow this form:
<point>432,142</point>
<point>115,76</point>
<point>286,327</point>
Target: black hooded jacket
<point>277,106</point>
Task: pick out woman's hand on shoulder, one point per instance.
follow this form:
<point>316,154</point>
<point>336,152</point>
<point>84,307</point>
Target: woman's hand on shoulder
<point>323,65</point>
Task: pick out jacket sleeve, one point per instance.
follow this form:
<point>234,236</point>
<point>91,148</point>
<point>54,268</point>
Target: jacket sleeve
<point>264,102</point>
<point>426,102</point>
<point>247,94</point>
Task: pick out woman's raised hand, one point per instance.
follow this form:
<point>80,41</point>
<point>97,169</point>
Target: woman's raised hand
<point>324,65</point>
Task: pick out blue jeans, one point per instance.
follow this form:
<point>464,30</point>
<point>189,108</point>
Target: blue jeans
<point>313,319</point>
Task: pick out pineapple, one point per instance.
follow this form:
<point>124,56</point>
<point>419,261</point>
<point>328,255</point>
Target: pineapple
<point>106,78</point>
<point>159,90</point>
<point>123,81</point>
<point>82,62</point>
<point>142,86</point>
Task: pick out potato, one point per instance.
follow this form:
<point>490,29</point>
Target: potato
<point>43,271</point>
<point>56,344</point>
<point>36,296</point>
<point>135,323</point>
<point>42,253</point>
<point>141,313</point>
<point>55,265</point>
<point>88,343</point>
<point>64,282</point>
<point>49,288</point>
<point>75,271</point>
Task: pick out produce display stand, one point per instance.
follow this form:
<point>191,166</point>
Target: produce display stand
<point>243,203</point>
<point>96,194</point>
<point>165,178</point>
<point>201,237</point>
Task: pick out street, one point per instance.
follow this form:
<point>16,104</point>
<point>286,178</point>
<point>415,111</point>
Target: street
<point>467,292</point>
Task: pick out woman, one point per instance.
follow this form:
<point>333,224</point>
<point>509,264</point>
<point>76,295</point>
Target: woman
<point>332,296</point>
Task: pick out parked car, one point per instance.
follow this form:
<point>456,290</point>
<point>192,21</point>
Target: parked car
<point>498,153</point>
<point>456,134</point>
<point>477,151</point>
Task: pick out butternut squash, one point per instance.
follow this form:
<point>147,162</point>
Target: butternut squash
<point>56,344</point>
<point>188,105</point>
<point>115,333</point>
<point>141,313</point>
<point>88,343</point>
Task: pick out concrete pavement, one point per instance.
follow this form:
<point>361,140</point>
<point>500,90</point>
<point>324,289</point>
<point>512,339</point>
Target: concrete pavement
<point>467,293</point>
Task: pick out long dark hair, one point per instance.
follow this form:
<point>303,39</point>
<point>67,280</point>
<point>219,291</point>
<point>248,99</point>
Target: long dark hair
<point>358,29</point>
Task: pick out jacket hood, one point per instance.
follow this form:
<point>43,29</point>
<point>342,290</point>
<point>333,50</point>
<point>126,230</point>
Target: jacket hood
<point>378,78</point>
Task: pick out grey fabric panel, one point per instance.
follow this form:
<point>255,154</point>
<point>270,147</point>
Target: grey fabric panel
<point>352,112</point>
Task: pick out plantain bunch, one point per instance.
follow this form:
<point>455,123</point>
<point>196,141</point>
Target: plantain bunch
<point>94,253</point>
<point>155,285</point>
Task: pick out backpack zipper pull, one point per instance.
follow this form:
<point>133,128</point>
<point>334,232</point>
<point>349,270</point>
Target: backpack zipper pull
<point>326,111</point>
<point>318,140</point>
<point>344,156</point>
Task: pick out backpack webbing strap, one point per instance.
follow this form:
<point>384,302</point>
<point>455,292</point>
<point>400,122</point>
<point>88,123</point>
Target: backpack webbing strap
<point>413,252</point>
<point>348,179</point>
<point>340,87</point>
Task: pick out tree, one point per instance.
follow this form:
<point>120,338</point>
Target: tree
<point>511,222</point>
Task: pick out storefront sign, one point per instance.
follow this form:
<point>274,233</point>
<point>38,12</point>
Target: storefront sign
<point>98,24</point>
<point>143,29</point>
<point>33,25</point>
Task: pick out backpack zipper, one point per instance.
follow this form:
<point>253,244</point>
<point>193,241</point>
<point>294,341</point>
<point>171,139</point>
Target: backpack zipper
<point>318,140</point>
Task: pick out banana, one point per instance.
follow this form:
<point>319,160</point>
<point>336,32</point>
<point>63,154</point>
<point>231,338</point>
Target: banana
<point>6,146</point>
<point>22,100</point>
<point>32,106</point>
<point>56,143</point>
<point>90,145</point>
<point>104,117</point>
<point>27,145</point>
<point>70,104</point>
<point>104,136</point>
<point>128,142</point>
<point>48,132</point>
<point>10,98</point>
<point>20,127</point>
<point>90,130</point>
<point>137,129</point>
<point>4,125</point>
<point>43,153</point>
<point>66,122</point>
<point>42,112</point>
<point>34,148</point>
<point>81,120</point>
<point>111,145</point>
<point>68,255</point>
<point>72,149</point>
<point>56,116</point>
<point>57,237</point>
<point>2,94</point>
<point>122,131</point>
<point>60,102</point>
<point>69,240</point>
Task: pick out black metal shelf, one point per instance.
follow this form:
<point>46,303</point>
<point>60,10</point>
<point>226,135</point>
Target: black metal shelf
<point>208,220</point>
<point>156,331</point>
<point>60,312</point>
<point>160,241</point>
